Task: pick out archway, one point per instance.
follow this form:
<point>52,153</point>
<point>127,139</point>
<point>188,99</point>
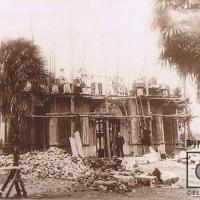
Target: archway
<point>114,127</point>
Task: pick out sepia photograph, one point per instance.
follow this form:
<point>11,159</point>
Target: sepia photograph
<point>100,99</point>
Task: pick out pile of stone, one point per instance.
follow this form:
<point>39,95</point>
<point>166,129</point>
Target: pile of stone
<point>103,163</point>
<point>111,185</point>
<point>52,163</point>
<point>109,181</point>
<point>94,173</point>
<point>108,175</point>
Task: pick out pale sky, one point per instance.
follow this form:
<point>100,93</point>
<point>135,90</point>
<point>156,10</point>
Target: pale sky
<point>105,36</point>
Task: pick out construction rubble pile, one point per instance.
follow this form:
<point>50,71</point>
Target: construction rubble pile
<point>52,163</point>
<point>55,163</point>
<point>116,175</point>
<point>106,176</point>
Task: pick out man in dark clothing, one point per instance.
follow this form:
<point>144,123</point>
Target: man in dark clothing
<point>146,139</point>
<point>119,145</point>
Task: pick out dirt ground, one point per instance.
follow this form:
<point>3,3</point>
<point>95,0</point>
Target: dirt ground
<point>60,190</point>
<point>145,193</point>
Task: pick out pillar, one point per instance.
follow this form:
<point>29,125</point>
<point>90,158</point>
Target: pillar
<point>72,119</point>
<point>108,132</point>
<point>160,131</point>
<point>150,121</point>
<point>135,140</point>
<point>53,131</point>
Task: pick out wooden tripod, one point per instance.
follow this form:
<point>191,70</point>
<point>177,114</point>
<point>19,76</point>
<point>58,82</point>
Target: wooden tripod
<point>13,178</point>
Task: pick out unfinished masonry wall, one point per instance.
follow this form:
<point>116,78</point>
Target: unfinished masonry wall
<point>158,139</point>
<point>60,129</point>
<point>135,141</point>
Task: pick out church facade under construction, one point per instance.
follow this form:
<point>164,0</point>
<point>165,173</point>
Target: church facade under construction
<point>100,116</point>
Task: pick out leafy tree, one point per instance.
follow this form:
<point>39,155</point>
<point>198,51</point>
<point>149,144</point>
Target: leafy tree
<point>22,81</point>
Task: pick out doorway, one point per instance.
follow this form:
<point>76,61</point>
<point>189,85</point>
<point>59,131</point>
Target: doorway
<point>101,139</point>
<point>114,128</point>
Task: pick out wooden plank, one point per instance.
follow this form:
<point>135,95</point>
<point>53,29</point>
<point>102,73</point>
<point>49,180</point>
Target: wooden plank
<point>72,109</point>
<point>142,178</point>
<point>145,177</point>
<point>79,144</point>
<point>73,146</point>
<point>53,131</point>
<point>108,139</point>
<point>150,121</point>
<point>85,130</point>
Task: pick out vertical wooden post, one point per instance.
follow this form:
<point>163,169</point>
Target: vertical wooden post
<point>185,136</point>
<point>172,130</point>
<point>96,138</point>
<point>175,131</point>
<point>2,130</point>
<point>177,125</point>
<point>150,122</point>
<point>108,138</point>
<point>108,131</point>
<point>114,138</point>
<point>6,131</point>
<point>72,119</point>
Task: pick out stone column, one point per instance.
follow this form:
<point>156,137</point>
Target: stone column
<point>53,131</point>
<point>135,141</point>
<point>108,132</point>
<point>72,119</point>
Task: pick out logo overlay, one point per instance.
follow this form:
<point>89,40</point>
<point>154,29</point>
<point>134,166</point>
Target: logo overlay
<point>193,168</point>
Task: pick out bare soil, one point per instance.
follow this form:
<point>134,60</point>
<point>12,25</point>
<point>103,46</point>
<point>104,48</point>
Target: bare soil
<point>60,190</point>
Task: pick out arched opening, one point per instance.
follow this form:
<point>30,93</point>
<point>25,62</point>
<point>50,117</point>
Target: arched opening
<point>112,116</point>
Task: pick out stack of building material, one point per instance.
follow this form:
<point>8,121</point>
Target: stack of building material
<point>76,145</point>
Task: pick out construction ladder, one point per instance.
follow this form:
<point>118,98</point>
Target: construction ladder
<point>140,112</point>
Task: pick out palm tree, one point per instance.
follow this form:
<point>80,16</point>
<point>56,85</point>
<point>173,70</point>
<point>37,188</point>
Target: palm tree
<point>22,81</point>
<point>177,23</point>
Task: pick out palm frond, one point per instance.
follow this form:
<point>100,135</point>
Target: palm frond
<point>178,25</point>
<point>21,62</point>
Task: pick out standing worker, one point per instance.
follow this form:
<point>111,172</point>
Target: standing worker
<point>119,145</point>
<point>146,139</point>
